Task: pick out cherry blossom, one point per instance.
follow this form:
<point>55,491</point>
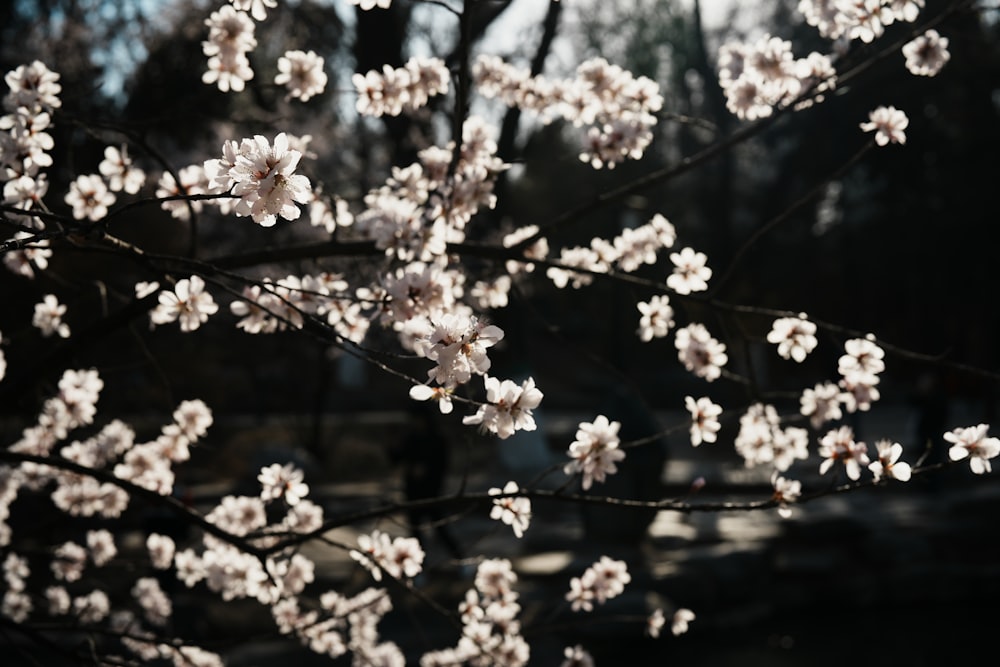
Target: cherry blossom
<point>508,407</point>
<point>599,583</point>
<point>971,442</point>
<point>821,403</point>
<point>655,623</point>
<point>48,317</point>
<point>699,352</point>
<point>33,87</point>
<point>680,620</point>
<point>595,451</point>
<point>705,424</point>
<point>926,54</point>
<point>282,481</point>
<point>888,464</point>
<point>188,302</point>
<point>838,445</point>
<point>515,511</point>
<point>577,656</point>
<point>690,273</point>
<point>794,336</point>
<point>888,124</point>
<point>657,317</point>
<point>302,73</point>
<point>366,5</point>
<point>263,176</point>
<point>256,8</point>
<point>89,197</point>
<point>785,491</point>
<point>122,175</point>
<point>230,38</point>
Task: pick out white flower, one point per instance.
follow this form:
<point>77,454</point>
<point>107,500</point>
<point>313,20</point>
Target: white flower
<point>595,451</point>
<point>690,273</point>
<point>839,445</point>
<point>230,38</point>
<point>32,87</point>
<point>401,557</point>
<point>655,623</point>
<point>863,357</point>
<point>927,54</point>
<point>265,181</point>
<point>785,491</point>
<point>422,392</point>
<point>794,336</point>
<point>365,5</point>
<point>821,404</point>
<point>972,442</point>
<point>888,124</point>
<point>256,8</point>
<point>89,197</point>
<point>657,318</point>
<point>161,550</point>
<point>282,481</point>
<point>508,408</point>
<point>888,463</point>
<point>302,73</point>
<point>192,181</point>
<point>699,352</point>
<point>189,302</point>
<point>704,419</point>
<point>577,656</point>
<point>101,545</point>
<point>679,623</point>
<point>600,582</point>
<point>458,344</point>
<point>513,510</point>
<point>117,167</point>
<point>193,418</point>
<point>48,317</point>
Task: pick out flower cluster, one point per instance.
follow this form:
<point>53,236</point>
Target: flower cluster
<point>888,124</point>
<point>458,343</point>
<point>616,106</point>
<point>230,39</point>
<point>263,176</point>
<point>515,511</point>
<point>759,76</point>
<point>491,631</point>
<point>794,336</point>
<point>857,19</point>
<point>839,446</point>
<point>48,317</point>
<point>395,90</point>
<point>187,302</point>
<point>398,557</point>
<point>282,481</point>
<point>705,424</point>
<point>785,491</point>
<point>25,142</point>
<point>656,317</point>
<point>599,583</point>
<point>302,73</point>
<point>972,443</point>
<point>763,440</point>
<point>628,251</point>
<point>700,353</point>
<point>595,451</point>
<point>508,407</point>
<point>926,54</point>
<point>860,368</point>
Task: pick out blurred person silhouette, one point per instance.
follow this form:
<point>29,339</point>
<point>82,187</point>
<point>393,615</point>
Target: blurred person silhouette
<point>425,455</point>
